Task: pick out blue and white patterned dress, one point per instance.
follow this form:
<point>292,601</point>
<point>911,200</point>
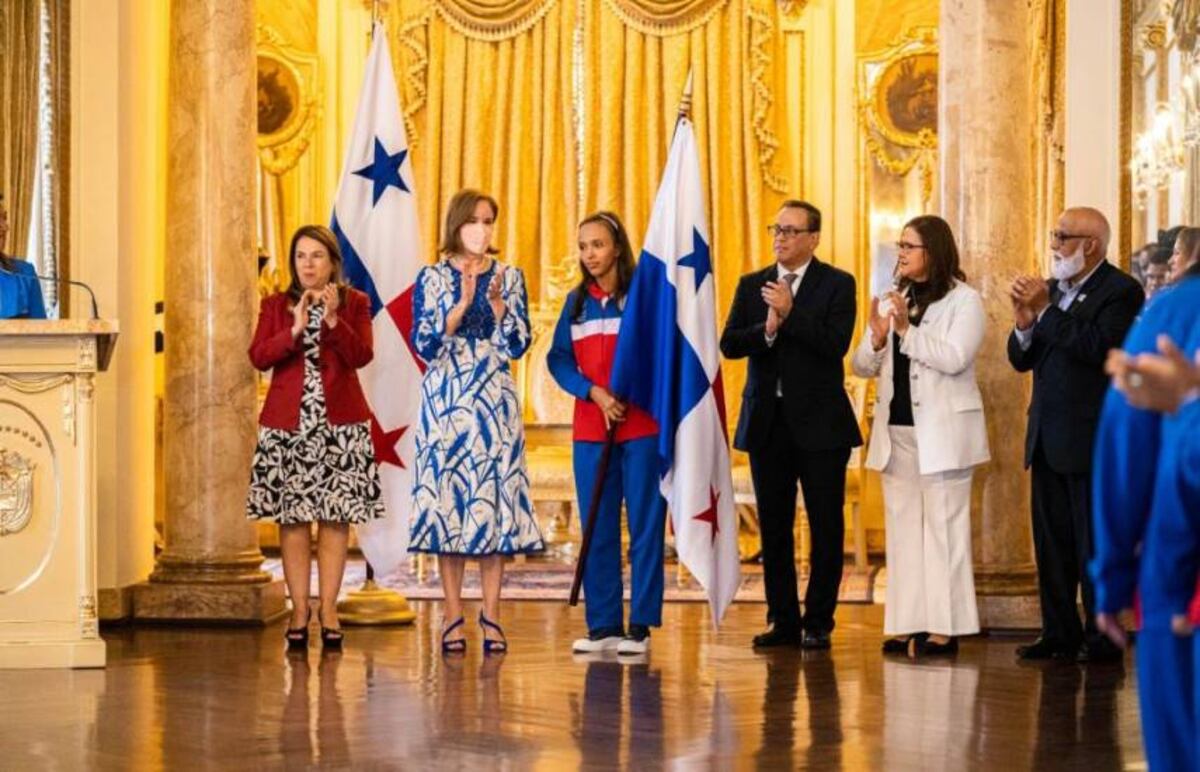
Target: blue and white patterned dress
<point>471,487</point>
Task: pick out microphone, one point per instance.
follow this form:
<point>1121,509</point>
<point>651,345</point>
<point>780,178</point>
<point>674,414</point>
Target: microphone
<point>59,280</point>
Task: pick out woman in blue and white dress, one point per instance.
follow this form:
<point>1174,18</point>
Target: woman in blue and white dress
<point>471,488</point>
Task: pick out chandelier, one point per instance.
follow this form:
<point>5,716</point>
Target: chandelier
<point>1159,153</point>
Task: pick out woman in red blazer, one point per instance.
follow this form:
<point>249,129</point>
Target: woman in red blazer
<point>314,462</point>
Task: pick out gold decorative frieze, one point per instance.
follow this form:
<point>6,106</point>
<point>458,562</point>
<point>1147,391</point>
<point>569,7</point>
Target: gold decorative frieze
<point>16,489</point>
<point>897,106</point>
<point>35,385</point>
<point>289,99</point>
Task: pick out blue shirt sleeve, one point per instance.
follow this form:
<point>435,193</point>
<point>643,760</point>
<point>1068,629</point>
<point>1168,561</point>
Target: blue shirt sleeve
<point>1179,526</point>
<point>1124,466</point>
<point>35,308</point>
<point>561,358</point>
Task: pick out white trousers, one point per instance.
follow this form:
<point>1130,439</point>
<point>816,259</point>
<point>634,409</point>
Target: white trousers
<point>930,583</point>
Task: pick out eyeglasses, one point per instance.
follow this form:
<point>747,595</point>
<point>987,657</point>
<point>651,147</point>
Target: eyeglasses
<point>904,246</point>
<point>787,231</point>
<point>1060,237</point>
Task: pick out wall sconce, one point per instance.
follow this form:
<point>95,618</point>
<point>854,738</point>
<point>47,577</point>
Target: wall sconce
<point>1159,152</point>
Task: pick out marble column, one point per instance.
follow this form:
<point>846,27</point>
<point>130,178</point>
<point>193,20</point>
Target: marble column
<point>210,566</point>
<point>985,126</point>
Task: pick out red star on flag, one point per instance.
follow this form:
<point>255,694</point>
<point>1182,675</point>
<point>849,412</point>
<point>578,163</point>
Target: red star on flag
<point>710,515</point>
<point>385,444</point>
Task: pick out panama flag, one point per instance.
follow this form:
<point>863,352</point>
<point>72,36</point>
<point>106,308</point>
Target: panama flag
<point>375,220</point>
<point>667,363</point>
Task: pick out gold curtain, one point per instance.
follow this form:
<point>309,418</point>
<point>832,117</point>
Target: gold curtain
<point>632,84</point>
<point>1047,32</point>
<point>487,100</point>
<point>19,27</point>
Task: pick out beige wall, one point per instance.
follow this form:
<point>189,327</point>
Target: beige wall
<point>118,77</point>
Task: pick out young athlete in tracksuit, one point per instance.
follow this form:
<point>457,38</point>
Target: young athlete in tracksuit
<point>1142,537</point>
<point>580,360</point>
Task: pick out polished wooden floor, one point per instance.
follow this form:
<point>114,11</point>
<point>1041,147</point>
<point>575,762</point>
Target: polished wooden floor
<point>178,698</point>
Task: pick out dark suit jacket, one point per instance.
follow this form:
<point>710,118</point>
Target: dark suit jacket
<point>344,349</point>
<point>807,355</point>
<point>1067,359</point>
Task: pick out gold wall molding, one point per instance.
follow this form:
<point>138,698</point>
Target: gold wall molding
<point>289,99</point>
<point>897,138</point>
<point>761,33</point>
<point>34,385</point>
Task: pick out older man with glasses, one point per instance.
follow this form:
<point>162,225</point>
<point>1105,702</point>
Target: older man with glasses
<point>1064,329</point>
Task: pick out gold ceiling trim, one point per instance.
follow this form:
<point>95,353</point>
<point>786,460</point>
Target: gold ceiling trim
<point>665,17</point>
<point>492,20</point>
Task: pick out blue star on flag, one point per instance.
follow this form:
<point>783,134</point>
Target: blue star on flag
<point>699,260</point>
<point>384,171</point>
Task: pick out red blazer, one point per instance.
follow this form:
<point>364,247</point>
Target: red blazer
<point>344,349</point>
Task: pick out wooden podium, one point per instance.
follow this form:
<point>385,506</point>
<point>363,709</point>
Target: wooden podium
<point>48,491</point>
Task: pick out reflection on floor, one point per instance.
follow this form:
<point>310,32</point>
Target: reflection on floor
<point>180,698</point>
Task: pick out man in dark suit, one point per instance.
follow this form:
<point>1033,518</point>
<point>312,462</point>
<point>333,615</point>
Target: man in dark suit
<point>794,320</point>
<point>1064,330</point>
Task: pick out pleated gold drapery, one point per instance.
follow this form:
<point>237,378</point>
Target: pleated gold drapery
<point>19,27</point>
<point>632,83</point>
<point>561,107</point>
<point>1048,32</point>
<point>487,100</point>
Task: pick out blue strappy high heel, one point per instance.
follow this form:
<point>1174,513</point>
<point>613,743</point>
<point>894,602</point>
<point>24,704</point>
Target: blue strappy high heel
<point>491,646</point>
<point>457,646</point>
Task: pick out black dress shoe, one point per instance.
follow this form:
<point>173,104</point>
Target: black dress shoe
<point>777,636</point>
<point>899,645</point>
<point>815,641</point>
<point>1043,649</point>
<point>1100,649</point>
<point>928,648</point>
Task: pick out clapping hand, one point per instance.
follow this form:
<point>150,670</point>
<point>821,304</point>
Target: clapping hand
<point>898,313</point>
<point>1158,382</point>
<point>495,294</point>
<point>331,299</point>
<point>778,296</point>
<point>300,311</point>
<point>1033,293</point>
<point>879,324</point>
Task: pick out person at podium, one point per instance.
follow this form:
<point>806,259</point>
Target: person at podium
<point>20,290</point>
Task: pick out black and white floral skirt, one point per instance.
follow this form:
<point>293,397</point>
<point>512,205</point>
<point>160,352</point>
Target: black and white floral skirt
<point>320,472</point>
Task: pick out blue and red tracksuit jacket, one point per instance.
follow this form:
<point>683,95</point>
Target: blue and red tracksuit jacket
<point>582,356</point>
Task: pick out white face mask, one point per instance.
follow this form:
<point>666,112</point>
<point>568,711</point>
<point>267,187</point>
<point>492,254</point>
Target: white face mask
<point>1063,267</point>
<point>476,237</point>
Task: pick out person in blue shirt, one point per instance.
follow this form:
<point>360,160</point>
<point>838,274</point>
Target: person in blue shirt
<point>1141,518</point>
<point>20,290</point>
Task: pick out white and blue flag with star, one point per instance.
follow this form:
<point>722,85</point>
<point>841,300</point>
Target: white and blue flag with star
<point>667,362</point>
<point>375,220</point>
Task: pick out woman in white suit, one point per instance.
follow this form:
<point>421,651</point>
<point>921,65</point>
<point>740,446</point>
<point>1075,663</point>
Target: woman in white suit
<point>927,437</point>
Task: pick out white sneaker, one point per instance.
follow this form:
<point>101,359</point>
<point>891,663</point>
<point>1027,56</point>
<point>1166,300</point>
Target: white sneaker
<point>636,642</point>
<point>608,639</point>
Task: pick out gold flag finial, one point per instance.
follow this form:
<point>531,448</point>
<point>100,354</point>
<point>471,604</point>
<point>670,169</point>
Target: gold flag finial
<point>685,104</point>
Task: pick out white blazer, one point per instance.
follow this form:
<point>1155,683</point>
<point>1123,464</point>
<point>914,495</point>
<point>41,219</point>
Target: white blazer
<point>946,404</point>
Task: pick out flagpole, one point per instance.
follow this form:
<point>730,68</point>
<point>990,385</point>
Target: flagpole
<point>593,512</point>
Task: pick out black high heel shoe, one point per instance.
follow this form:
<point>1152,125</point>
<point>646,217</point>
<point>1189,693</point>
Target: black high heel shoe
<point>297,637</point>
<point>490,645</point>
<point>458,645</point>
<point>331,637</point>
